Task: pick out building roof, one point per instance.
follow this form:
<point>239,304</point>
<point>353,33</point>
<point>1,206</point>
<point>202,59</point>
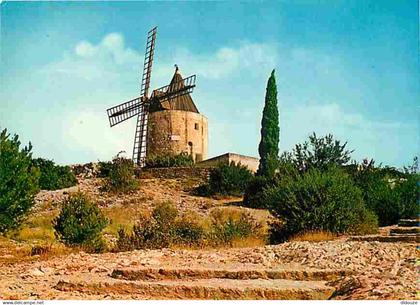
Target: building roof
<point>183,102</point>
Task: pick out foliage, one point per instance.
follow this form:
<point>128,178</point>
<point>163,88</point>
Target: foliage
<point>269,144</point>
<point>18,181</point>
<point>181,160</point>
<point>229,225</point>
<point>317,200</point>
<point>408,195</point>
<point>54,177</point>
<point>120,177</point>
<point>255,190</point>
<point>413,168</point>
<point>164,228</point>
<point>164,216</point>
<point>160,229</point>
<point>104,168</point>
<point>187,231</point>
<point>319,153</point>
<point>226,179</point>
<point>391,194</point>
<point>80,222</point>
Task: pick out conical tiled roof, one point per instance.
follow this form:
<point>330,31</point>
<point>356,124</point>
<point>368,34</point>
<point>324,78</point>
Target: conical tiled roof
<point>183,102</point>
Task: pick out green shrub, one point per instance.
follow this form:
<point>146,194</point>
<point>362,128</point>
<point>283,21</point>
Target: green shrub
<point>255,190</point>
<point>54,177</point>
<point>120,178</point>
<point>164,215</point>
<point>18,181</point>
<point>104,169</point>
<point>150,232</point>
<point>390,194</point>
<point>382,199</point>
<point>80,223</point>
<point>230,225</point>
<point>169,160</point>
<point>226,179</point>
<point>187,231</point>
<point>327,201</point>
<point>143,235</point>
<point>408,195</point>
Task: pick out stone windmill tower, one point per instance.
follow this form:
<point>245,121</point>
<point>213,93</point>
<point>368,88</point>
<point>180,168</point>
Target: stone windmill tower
<point>176,126</point>
<point>168,122</point>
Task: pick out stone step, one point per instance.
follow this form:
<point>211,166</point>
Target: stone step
<point>409,223</point>
<point>404,230</point>
<point>407,238</point>
<point>212,289</point>
<point>136,274</point>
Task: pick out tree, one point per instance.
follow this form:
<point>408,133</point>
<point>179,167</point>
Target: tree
<point>18,181</point>
<point>54,177</point>
<point>319,153</point>
<point>80,222</point>
<point>269,144</point>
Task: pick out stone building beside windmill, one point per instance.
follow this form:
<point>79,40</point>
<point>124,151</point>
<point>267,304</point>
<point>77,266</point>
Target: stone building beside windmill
<point>176,126</point>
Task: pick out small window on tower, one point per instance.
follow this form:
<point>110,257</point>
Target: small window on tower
<point>196,126</point>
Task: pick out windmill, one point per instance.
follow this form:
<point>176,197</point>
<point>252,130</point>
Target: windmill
<point>141,106</point>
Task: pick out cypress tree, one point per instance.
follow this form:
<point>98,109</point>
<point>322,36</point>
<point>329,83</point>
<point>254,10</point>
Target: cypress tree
<point>269,145</point>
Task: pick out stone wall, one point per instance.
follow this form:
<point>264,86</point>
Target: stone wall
<point>175,132</point>
<point>174,173</point>
<point>250,162</point>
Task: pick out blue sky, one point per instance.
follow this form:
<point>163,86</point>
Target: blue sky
<point>344,67</point>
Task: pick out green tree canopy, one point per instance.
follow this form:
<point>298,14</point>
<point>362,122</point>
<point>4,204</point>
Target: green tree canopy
<point>18,181</point>
<point>319,152</point>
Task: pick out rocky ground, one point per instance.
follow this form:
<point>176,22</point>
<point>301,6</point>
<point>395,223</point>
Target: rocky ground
<point>343,268</point>
<point>350,270</point>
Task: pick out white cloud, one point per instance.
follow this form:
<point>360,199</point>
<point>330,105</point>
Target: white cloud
<point>85,49</point>
<point>224,62</point>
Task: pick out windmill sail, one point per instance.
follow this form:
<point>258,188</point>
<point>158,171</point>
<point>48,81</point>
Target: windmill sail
<point>166,97</point>
<point>140,137</point>
<point>124,111</point>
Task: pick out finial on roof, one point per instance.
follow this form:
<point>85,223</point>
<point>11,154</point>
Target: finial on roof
<point>176,68</point>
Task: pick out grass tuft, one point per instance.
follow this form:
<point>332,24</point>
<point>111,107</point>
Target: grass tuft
<point>314,236</point>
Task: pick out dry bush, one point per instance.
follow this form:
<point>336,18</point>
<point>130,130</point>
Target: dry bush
<point>40,250</point>
<point>37,228</point>
<point>230,225</point>
<point>11,252</point>
<point>314,236</point>
<point>165,228</point>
